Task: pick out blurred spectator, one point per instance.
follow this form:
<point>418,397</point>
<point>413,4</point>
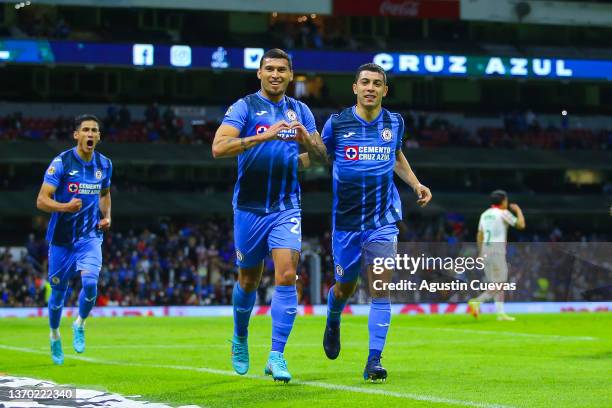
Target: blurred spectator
<point>194,264</point>
<point>125,117</point>
<point>423,130</point>
<point>152,113</point>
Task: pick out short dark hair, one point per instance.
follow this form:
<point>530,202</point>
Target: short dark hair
<point>85,117</point>
<point>498,196</point>
<point>276,53</point>
<point>370,66</point>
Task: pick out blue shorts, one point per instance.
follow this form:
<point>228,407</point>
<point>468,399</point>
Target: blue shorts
<point>353,250</point>
<point>65,261</point>
<point>255,235</point>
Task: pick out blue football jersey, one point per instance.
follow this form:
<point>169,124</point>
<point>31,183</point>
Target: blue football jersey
<point>363,154</point>
<point>74,177</point>
<point>267,173</point>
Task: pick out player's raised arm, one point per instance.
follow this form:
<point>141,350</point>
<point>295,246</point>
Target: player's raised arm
<point>404,171</point>
<point>520,218</point>
<point>45,201</point>
<point>228,143</point>
<point>312,142</point>
<point>105,208</point>
<point>310,139</point>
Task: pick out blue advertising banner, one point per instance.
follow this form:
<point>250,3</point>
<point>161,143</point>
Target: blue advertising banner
<point>221,58</point>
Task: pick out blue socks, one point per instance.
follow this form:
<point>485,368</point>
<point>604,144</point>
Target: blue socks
<point>243,305</point>
<point>56,303</point>
<point>87,297</point>
<point>284,309</point>
<point>378,325</point>
<point>334,308</point>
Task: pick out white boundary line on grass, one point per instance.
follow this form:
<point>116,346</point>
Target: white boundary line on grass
<point>504,333</point>
<point>337,387</point>
<point>490,332</point>
<point>225,346</point>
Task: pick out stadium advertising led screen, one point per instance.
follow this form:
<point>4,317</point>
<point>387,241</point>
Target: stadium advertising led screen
<point>185,56</point>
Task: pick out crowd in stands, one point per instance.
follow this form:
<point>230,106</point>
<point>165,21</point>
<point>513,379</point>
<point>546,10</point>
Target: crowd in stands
<point>194,264</point>
<point>205,27</point>
<point>515,131</point>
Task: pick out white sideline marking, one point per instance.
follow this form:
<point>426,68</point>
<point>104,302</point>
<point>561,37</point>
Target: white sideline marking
<point>505,333</point>
<point>493,332</point>
<point>337,387</point>
<point>226,346</point>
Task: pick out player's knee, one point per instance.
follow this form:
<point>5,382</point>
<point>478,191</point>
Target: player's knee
<point>248,284</point>
<point>380,294</point>
<point>248,278</point>
<point>285,277</point>
<point>56,300</point>
<point>344,290</point>
<point>90,286</point>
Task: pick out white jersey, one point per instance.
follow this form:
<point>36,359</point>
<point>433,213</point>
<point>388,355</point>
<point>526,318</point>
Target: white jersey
<point>494,224</point>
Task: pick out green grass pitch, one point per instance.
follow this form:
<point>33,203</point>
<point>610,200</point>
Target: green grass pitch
<point>433,361</point>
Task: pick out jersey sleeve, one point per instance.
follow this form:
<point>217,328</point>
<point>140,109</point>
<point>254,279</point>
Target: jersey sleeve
<point>107,181</point>
<point>54,173</point>
<point>400,132</point>
<point>236,115</point>
<point>308,119</point>
<point>480,226</point>
<point>328,138</point>
<point>509,218</point>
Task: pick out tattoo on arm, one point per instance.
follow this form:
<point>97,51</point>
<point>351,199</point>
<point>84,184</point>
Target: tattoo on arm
<point>317,151</point>
<point>243,145</point>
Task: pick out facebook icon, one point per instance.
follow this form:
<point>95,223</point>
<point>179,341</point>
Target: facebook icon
<point>142,54</point>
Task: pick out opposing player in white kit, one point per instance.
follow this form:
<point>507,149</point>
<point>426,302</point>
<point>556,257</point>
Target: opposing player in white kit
<point>491,239</point>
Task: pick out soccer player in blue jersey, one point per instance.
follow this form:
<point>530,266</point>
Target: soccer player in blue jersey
<point>364,145</point>
<point>76,191</point>
<point>264,129</point>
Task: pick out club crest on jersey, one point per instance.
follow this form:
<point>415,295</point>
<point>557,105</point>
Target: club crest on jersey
<point>73,187</point>
<point>339,270</point>
<point>239,255</point>
<point>51,171</point>
<point>351,152</point>
<point>99,174</point>
<point>386,135</point>
<point>55,280</point>
<point>291,115</point>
